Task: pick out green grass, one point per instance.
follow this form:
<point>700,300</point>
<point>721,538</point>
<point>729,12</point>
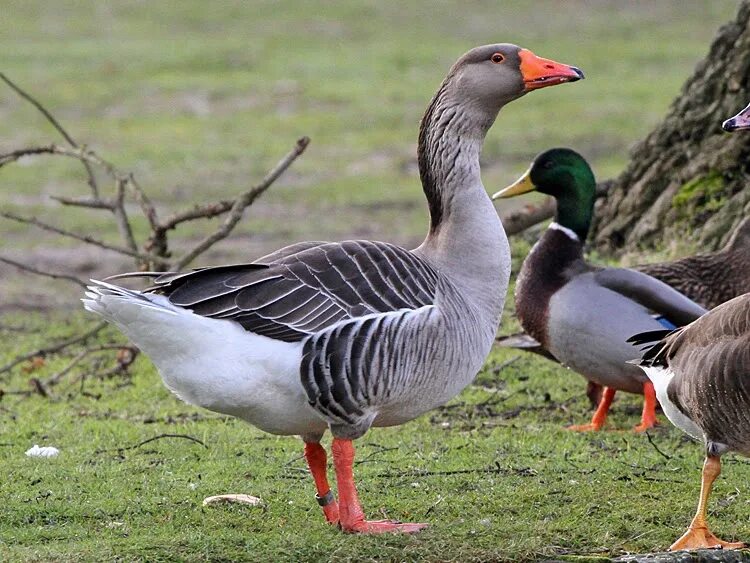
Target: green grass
<point>199,99</point>
<point>493,472</point>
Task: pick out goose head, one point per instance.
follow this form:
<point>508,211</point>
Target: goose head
<point>565,175</point>
<point>738,122</point>
<point>488,77</point>
<point>463,109</point>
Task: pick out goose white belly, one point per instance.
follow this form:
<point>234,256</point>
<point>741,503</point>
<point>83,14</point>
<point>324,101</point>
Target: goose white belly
<point>661,377</point>
<point>216,364</point>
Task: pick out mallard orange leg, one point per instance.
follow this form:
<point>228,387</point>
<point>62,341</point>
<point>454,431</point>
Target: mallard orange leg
<point>317,462</point>
<point>351,516</point>
<point>600,416</point>
<point>698,535</point>
<point>648,418</point>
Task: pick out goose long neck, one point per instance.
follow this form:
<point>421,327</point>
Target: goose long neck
<point>450,142</point>
<point>466,239</point>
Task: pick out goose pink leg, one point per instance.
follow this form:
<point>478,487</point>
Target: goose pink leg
<point>351,516</point>
<point>317,462</point>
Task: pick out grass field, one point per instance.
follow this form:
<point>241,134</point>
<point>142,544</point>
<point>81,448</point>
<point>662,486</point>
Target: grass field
<point>199,99</point>
<point>494,472</point>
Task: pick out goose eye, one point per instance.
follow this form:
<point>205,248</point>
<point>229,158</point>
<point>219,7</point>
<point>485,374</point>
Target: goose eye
<point>497,58</point>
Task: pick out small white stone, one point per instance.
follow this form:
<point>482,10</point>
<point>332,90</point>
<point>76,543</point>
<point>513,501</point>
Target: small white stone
<point>192,486</point>
<point>44,451</point>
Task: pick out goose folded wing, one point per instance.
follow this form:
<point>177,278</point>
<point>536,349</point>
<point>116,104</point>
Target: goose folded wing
<point>653,294</point>
<point>300,293</point>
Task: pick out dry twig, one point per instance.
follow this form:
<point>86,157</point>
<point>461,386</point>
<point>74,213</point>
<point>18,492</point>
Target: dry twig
<point>38,272</point>
<point>54,348</point>
<point>153,254</point>
<point>242,202</point>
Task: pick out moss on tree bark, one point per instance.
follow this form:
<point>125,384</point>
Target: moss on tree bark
<point>688,177</point>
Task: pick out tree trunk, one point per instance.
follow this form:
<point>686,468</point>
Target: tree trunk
<point>688,178</point>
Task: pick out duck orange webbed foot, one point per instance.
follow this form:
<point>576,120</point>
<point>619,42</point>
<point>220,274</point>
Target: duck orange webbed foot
<point>702,538</point>
<point>643,426</point>
<point>600,416</point>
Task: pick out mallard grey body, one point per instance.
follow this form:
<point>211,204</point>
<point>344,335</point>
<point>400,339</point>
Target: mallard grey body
<point>592,311</point>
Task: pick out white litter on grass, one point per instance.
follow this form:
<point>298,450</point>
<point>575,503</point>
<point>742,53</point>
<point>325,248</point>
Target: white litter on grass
<point>43,451</point>
<point>240,499</point>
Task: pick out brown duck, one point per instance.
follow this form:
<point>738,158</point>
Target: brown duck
<point>701,374</point>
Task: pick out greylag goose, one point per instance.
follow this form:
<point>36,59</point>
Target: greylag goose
<point>581,313</point>
<point>738,122</point>
<point>345,336</point>
<point>702,377</point>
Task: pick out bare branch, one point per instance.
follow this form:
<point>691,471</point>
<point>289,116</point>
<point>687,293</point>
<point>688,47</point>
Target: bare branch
<point>56,124</point>
<point>143,200</point>
<point>199,211</point>
<point>241,203</point>
<point>55,378</point>
<point>83,238</point>
<point>54,348</point>
<point>518,221</point>
<point>78,153</point>
<point>157,242</point>
<point>121,216</point>
<point>38,272</point>
<point>93,203</point>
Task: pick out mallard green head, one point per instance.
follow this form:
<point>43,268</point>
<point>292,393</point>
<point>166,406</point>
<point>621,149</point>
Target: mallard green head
<point>565,175</point>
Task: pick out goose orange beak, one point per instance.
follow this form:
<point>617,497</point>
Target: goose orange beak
<point>738,122</point>
<point>540,73</point>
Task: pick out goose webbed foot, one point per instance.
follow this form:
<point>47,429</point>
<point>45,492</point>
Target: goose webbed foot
<point>382,527</point>
<point>702,538</point>
<point>351,516</point>
<point>698,536</point>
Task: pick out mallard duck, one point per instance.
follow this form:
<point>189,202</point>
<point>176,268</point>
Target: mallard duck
<point>701,374</point>
<point>582,313</point>
<point>345,336</point>
<point>708,279</point>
